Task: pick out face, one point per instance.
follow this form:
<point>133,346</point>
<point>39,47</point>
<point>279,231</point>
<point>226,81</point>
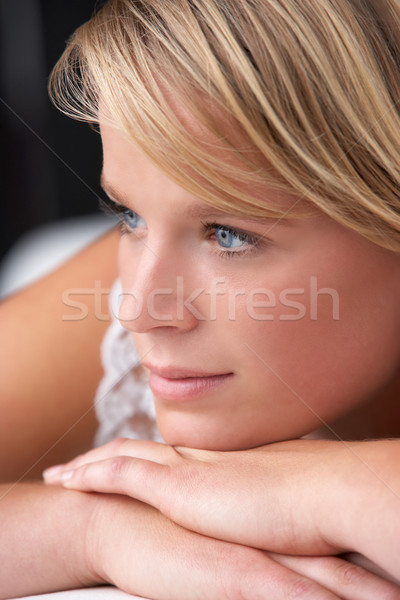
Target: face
<point>251,332</point>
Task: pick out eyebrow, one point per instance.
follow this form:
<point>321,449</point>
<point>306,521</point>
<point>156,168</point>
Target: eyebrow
<point>196,211</point>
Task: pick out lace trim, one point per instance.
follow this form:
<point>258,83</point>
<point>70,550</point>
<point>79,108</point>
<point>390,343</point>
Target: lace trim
<point>123,401</point>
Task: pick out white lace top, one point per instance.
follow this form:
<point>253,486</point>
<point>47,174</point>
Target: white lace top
<point>123,402</point>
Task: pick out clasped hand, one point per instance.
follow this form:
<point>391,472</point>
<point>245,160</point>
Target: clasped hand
<point>289,499</point>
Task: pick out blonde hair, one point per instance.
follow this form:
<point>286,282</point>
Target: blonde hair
<point>313,85</point>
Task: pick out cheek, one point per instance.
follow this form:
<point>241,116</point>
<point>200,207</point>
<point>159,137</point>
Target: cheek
<point>127,263</point>
<point>321,350</point>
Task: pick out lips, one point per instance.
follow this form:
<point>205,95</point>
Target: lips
<point>176,383</point>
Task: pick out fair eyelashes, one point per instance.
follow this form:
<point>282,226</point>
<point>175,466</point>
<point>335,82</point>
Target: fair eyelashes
<point>230,241</point>
<point>243,241</point>
<point>120,211</point>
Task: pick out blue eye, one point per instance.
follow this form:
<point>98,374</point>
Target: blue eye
<point>128,219</point>
<point>131,219</point>
<point>229,238</point>
<point>231,241</point>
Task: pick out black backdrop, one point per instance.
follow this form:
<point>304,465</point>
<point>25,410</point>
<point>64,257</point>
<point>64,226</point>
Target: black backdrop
<point>50,164</point>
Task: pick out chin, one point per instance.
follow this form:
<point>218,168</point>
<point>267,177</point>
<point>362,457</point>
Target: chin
<point>181,432</point>
<point>199,433</point>
<point>198,440</point>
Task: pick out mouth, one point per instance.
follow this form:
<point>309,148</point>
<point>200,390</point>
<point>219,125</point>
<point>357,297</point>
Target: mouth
<point>176,383</point>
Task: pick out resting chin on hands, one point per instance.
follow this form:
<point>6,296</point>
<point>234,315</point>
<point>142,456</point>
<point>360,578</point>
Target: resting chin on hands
<point>278,514</point>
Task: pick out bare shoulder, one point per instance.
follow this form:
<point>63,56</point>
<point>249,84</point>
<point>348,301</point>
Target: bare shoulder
<point>50,361</point>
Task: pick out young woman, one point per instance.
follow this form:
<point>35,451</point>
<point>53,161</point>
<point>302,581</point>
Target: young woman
<point>251,152</point>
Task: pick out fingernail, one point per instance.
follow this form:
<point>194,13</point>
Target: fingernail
<point>52,472</point>
<point>66,476</point>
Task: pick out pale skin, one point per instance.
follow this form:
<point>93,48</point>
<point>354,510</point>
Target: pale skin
<point>228,563</point>
<point>163,243</point>
<point>287,359</point>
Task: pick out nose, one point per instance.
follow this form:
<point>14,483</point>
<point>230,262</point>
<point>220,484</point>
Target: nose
<point>158,292</point>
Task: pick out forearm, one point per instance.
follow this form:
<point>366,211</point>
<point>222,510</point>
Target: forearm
<point>46,415</point>
<point>43,539</point>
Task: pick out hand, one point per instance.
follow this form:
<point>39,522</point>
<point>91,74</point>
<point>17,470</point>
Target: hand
<point>244,497</point>
<point>136,548</point>
<point>283,497</point>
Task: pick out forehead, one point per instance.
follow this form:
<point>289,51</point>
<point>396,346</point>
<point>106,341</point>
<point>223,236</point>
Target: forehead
<point>128,171</point>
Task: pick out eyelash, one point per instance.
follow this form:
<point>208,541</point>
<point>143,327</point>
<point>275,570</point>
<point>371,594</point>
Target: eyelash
<point>253,241</point>
<point>110,207</point>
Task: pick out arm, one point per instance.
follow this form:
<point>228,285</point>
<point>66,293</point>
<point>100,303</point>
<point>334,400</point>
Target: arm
<point>43,540</point>
<point>298,497</point>
<point>50,367</point>
<point>52,539</point>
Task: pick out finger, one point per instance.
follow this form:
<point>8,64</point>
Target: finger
<point>363,561</point>
<point>234,571</point>
<point>259,580</point>
<point>347,580</point>
<point>207,568</point>
<point>154,451</point>
<point>142,479</point>
<point>175,492</point>
<point>168,489</point>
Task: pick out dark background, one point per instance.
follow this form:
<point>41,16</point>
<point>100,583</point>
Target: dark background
<point>50,164</point>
